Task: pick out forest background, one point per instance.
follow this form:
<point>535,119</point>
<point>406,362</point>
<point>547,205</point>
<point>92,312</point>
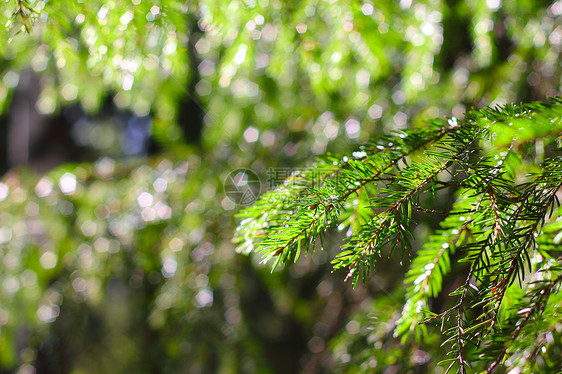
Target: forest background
<point>121,121</point>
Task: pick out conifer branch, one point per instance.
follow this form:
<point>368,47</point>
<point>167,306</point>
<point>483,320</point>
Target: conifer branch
<point>316,208</point>
<point>497,224</point>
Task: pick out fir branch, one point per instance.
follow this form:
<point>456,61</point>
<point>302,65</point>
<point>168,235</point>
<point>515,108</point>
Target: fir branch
<point>293,221</point>
<point>496,224</point>
<point>526,240</point>
<point>537,305</point>
<point>359,252</point>
<point>432,263</point>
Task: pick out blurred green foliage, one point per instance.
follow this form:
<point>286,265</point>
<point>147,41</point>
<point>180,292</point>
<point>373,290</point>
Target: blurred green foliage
<point>126,265</point>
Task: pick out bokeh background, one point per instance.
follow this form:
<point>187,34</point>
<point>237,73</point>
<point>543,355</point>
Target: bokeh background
<point>121,120</point>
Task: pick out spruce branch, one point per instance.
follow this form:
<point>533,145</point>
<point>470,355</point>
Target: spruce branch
<point>503,217</point>
<point>296,216</point>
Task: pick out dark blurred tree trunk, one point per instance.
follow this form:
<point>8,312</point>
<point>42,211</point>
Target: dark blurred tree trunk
<point>191,111</point>
<point>3,144</point>
<point>32,138</point>
<point>25,124</point>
